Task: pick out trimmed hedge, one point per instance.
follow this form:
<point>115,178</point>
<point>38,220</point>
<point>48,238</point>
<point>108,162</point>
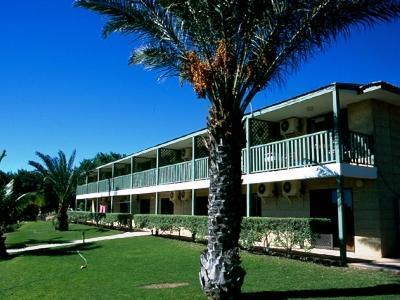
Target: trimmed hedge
<point>105,219</point>
<point>285,233</point>
<point>197,225</point>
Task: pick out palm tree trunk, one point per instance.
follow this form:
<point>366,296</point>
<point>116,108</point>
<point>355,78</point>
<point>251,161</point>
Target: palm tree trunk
<point>62,219</point>
<point>221,275</point>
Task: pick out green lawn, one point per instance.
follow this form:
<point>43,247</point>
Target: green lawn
<point>40,232</point>
<point>119,269</point>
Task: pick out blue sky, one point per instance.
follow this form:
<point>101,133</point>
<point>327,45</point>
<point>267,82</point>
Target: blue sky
<point>62,86</point>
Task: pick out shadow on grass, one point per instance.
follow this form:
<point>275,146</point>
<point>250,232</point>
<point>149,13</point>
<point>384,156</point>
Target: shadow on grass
<point>378,290</point>
<point>59,251</point>
<point>55,240</point>
<point>32,242</point>
<point>95,229</point>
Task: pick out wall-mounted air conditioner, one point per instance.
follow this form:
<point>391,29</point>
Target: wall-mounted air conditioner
<point>291,188</point>
<point>290,126</point>
<point>186,154</point>
<point>186,195</point>
<point>265,190</point>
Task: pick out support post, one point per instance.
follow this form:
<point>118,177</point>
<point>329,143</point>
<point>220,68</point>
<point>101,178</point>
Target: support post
<point>130,203</point>
<point>98,179</point>
<point>112,178</point>
<point>86,182</point>
<point>193,202</point>
<point>157,165</point>
<point>337,132</point>
<point>248,164</point>
<point>193,159</point>
<point>156,204</point>
<point>132,162</point>
<point>112,204</point>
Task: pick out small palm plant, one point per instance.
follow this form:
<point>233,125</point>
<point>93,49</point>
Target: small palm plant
<point>7,211</point>
<point>62,176</point>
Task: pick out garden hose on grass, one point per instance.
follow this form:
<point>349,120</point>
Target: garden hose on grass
<point>84,259</point>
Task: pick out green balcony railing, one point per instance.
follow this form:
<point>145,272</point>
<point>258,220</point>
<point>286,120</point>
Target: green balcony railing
<point>358,149</point>
<point>122,182</point>
<point>307,150</point>
<point>175,173</point>
<point>81,189</point>
<point>201,168</point>
<point>243,161</point>
<point>92,187</point>
<point>105,185</point>
<point>311,149</point>
<point>144,178</point>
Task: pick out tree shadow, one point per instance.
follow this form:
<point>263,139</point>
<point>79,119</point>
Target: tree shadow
<point>378,290</point>
<point>35,242</point>
<point>59,251</point>
<point>54,240</point>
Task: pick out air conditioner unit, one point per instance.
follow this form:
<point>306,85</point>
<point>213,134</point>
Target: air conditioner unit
<point>291,188</point>
<point>290,126</point>
<point>265,190</point>
<point>174,196</point>
<point>186,195</point>
<point>186,154</point>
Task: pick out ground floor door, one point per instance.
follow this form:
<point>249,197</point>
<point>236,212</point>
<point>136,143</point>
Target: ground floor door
<point>201,206</point>
<point>144,206</point>
<point>167,207</point>
<point>323,204</point>
<point>255,207</point>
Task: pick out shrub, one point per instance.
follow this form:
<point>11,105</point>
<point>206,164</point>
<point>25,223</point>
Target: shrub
<point>281,232</point>
<point>109,219</point>
<point>197,225</point>
<point>119,219</point>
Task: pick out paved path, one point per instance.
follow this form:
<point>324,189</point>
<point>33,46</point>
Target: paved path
<point>77,242</point>
<point>382,264</point>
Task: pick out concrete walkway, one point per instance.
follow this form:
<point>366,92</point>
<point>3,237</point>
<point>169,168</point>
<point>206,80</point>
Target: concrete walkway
<point>383,264</point>
<point>368,263</point>
<point>77,242</point>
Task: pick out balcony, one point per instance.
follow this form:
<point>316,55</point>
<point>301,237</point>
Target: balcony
<point>303,151</point>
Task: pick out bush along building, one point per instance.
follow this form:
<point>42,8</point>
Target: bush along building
<point>331,153</point>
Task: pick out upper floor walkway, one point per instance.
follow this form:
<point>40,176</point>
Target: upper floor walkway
<point>316,149</point>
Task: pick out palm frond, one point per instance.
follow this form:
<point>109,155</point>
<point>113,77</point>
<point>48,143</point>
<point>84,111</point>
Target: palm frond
<point>60,173</point>
<point>147,20</point>
<point>2,155</point>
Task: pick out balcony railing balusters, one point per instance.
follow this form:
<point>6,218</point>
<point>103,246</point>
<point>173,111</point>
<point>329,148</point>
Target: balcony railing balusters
<point>311,149</point>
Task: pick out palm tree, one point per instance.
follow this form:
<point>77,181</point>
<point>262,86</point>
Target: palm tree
<point>7,214</point>
<point>230,50</point>
<point>6,211</point>
<point>62,177</point>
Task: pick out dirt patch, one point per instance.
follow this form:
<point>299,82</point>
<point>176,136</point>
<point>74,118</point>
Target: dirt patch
<point>165,285</point>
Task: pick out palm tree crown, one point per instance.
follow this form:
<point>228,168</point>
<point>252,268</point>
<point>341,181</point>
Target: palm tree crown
<point>62,176</point>
<point>229,50</point>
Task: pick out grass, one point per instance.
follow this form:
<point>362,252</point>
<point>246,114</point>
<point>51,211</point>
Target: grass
<point>119,269</point>
<point>41,232</point>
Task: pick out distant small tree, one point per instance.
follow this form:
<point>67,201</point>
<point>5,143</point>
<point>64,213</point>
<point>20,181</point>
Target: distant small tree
<point>61,175</point>
<point>7,211</point>
<point>100,158</point>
